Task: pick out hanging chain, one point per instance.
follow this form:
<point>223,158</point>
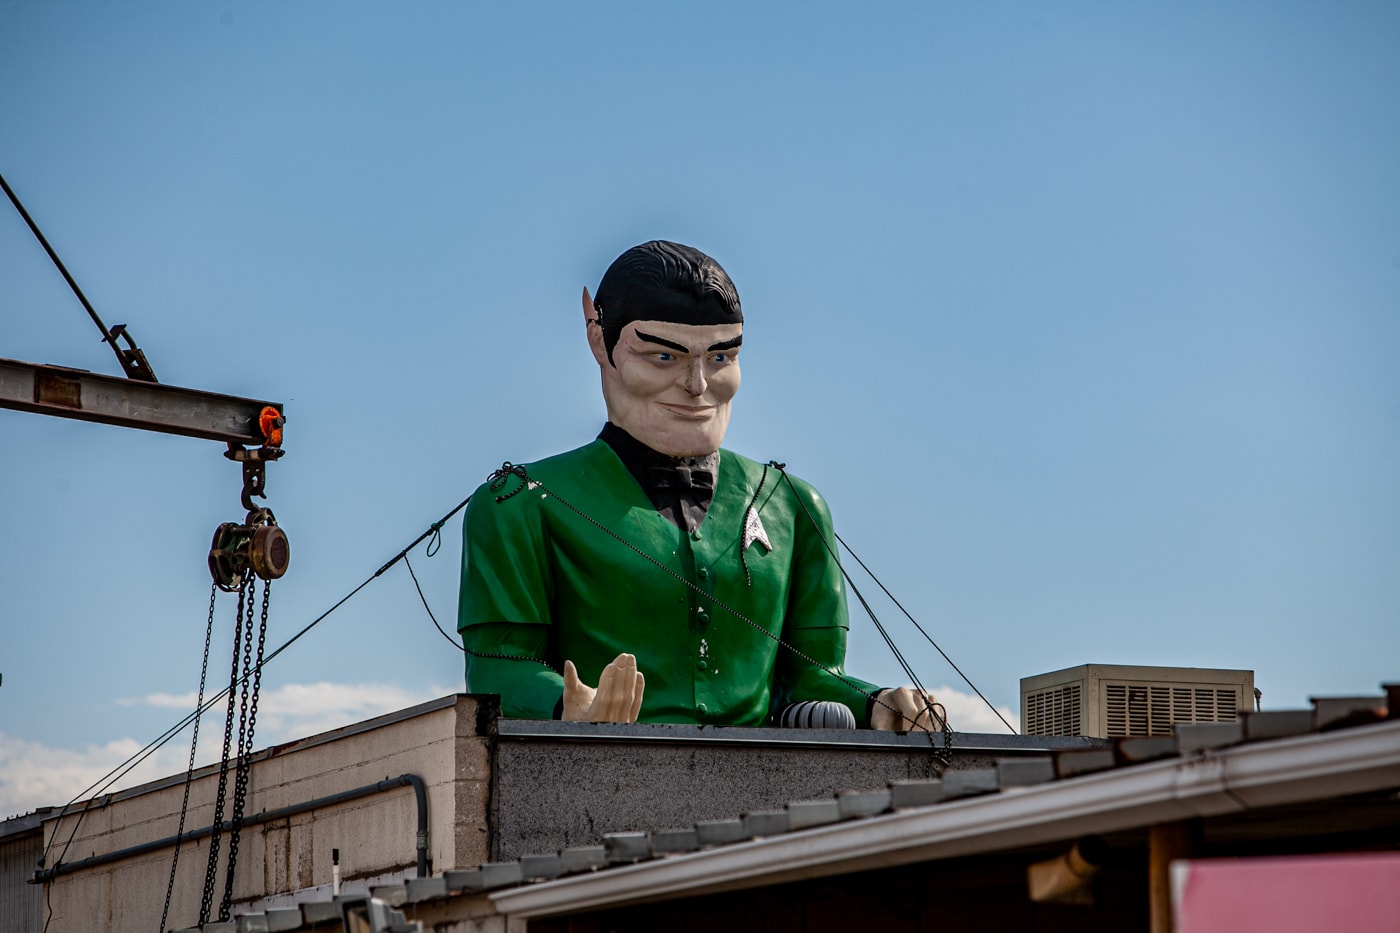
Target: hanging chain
<point>194,744</point>
<point>211,870</point>
<point>248,717</point>
<point>235,820</point>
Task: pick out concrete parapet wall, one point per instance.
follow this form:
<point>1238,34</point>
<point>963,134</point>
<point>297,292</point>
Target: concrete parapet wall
<point>565,784</point>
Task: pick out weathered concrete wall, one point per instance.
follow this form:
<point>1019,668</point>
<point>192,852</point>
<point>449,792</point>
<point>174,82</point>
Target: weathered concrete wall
<point>565,784</point>
<point>376,834</point>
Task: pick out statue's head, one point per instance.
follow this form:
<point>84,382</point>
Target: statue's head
<point>665,330</point>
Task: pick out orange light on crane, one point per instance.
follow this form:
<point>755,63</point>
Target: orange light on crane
<point>270,422</point>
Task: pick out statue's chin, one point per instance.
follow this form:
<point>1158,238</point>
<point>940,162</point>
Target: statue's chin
<point>679,440</point>
<point>673,446</point>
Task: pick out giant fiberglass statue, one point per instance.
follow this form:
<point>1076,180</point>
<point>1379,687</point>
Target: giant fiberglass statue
<point>688,583</point>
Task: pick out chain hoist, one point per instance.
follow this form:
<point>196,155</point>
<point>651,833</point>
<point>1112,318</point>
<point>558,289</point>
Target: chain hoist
<point>239,555</point>
<point>258,545</point>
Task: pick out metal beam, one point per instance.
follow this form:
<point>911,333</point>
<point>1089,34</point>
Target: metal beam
<point>130,403</point>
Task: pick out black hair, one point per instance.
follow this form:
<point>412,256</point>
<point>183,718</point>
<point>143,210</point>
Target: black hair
<point>664,281</point>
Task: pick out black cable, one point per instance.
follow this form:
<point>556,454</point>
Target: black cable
<point>211,868</point>
<point>926,635</point>
<point>189,771</point>
<point>107,337</point>
<point>459,645</point>
<point>889,640</point>
<point>894,649</point>
<point>48,891</point>
<point>424,600</point>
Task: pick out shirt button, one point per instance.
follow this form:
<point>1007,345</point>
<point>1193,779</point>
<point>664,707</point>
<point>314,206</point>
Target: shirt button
<point>701,665</point>
<point>695,535</point>
<point>702,572</point>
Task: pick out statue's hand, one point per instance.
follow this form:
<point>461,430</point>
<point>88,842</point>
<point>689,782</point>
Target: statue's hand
<point>617,698</point>
<point>912,710</point>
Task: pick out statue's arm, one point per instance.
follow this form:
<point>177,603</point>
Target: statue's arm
<point>508,658</point>
<point>503,609</point>
<point>817,626</point>
<point>816,621</point>
<point>801,680</point>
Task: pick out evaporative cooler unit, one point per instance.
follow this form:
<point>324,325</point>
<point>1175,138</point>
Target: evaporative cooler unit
<point>1111,700</point>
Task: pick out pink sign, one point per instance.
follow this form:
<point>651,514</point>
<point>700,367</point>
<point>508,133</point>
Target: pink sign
<point>1358,893</point>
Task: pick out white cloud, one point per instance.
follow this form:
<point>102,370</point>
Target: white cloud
<point>33,774</point>
<point>967,712</point>
<point>294,711</point>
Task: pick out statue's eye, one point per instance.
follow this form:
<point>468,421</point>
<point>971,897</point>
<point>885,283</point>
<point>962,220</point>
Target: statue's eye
<point>665,357</point>
<point>721,357</point>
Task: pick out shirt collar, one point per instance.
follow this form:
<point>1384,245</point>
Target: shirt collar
<point>655,470</point>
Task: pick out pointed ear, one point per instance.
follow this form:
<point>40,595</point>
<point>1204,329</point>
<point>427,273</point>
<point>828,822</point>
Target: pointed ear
<point>595,330</point>
<point>590,313</point>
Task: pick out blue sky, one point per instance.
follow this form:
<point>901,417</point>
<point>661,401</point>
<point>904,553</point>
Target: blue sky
<point>1084,317</point>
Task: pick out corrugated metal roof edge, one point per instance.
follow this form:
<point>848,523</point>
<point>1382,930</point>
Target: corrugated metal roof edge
<point>1207,783</point>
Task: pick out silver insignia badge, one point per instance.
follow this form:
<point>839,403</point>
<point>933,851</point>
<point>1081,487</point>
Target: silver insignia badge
<point>754,531</point>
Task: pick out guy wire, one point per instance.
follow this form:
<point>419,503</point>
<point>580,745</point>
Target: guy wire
<point>926,635</point>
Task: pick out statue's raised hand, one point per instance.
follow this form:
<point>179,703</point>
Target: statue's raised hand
<point>617,698</point>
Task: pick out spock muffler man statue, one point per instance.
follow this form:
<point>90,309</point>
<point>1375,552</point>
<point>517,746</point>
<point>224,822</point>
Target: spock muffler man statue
<point>652,563</point>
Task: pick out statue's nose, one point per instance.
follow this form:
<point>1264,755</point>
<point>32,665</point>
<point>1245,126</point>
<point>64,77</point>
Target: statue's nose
<point>695,383</point>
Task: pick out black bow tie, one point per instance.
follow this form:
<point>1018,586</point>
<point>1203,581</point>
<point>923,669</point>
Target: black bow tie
<point>680,477</point>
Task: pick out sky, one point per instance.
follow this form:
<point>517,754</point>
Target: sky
<point>1083,317</point>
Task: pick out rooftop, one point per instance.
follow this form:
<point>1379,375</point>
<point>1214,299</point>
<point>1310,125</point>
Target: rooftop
<point>1333,768</point>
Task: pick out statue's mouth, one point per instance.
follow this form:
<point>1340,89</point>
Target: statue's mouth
<point>690,412</point>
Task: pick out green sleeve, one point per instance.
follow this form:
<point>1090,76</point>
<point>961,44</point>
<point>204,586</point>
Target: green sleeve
<point>504,604</point>
<point>816,622</point>
<point>508,659</point>
<point>506,575</point>
<point>803,681</point>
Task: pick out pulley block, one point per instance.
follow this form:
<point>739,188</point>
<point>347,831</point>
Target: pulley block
<point>258,546</point>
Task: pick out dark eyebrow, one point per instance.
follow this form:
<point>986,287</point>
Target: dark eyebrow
<point>726,344</point>
<point>665,343</point>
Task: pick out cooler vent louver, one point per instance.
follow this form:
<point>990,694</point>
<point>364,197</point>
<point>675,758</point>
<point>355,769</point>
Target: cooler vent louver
<point>1135,709</point>
<point>1053,712</point>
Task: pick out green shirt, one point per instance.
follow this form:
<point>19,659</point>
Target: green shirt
<point>567,588</point>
